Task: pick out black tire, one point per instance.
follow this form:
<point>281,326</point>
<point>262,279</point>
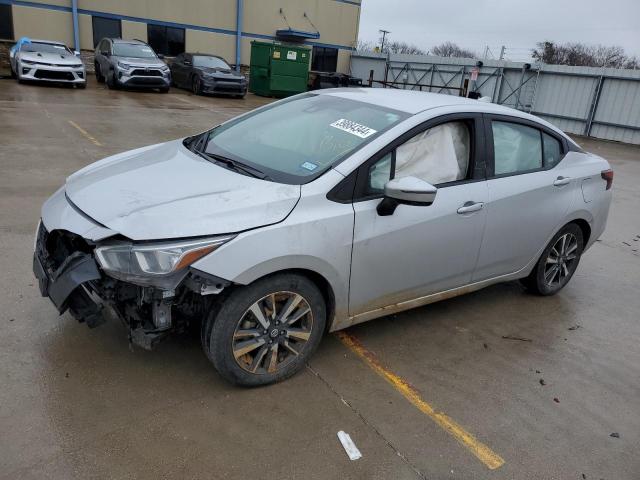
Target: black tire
<point>164,90</point>
<point>232,318</point>
<point>196,85</point>
<point>112,83</point>
<point>82,86</point>
<point>13,74</point>
<point>99,76</point>
<point>565,264</point>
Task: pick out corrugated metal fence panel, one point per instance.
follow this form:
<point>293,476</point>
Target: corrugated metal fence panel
<point>562,95</point>
<point>619,104</point>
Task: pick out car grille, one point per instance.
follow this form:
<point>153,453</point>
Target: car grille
<point>146,73</point>
<point>53,75</point>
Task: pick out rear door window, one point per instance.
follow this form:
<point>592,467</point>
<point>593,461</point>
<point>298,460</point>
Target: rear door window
<point>517,148</point>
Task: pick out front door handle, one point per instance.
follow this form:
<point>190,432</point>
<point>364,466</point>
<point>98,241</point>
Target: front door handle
<point>561,181</point>
<point>470,207</point>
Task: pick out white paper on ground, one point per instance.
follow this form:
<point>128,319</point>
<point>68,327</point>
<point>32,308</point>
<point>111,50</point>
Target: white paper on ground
<point>349,446</point>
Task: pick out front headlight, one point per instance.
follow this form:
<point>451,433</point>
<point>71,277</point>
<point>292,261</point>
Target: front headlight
<point>164,68</point>
<point>124,66</point>
<point>142,263</point>
<point>27,62</point>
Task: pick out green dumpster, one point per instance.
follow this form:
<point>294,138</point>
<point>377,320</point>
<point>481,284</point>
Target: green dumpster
<point>278,69</point>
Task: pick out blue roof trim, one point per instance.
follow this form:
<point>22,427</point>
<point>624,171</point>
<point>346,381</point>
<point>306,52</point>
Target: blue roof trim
<point>82,11</point>
<point>290,33</point>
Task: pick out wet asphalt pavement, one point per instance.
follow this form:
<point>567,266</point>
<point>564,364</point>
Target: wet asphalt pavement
<point>77,403</point>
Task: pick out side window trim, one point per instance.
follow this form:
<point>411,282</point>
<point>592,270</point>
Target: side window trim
<point>476,160</point>
<point>490,155</point>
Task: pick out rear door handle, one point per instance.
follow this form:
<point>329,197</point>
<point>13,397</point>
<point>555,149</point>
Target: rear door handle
<point>561,181</point>
<point>470,207</point>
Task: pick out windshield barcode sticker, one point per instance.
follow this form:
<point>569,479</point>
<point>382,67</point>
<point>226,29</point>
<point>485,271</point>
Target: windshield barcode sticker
<point>353,128</point>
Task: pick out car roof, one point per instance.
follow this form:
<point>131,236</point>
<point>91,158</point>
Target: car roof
<point>120,40</point>
<point>408,101</point>
<point>415,101</point>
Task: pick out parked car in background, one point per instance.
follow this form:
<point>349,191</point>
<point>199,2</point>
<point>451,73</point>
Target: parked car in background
<point>130,64</point>
<point>46,61</point>
<point>202,73</point>
<point>315,213</point>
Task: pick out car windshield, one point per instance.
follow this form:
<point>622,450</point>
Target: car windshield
<point>298,139</point>
<point>210,62</point>
<point>132,50</point>
<point>44,48</point>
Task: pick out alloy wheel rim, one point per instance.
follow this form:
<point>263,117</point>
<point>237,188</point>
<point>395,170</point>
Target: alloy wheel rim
<point>561,260</point>
<point>272,332</point>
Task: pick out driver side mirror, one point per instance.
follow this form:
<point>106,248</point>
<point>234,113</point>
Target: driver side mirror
<point>161,56</point>
<point>76,53</point>
<point>407,190</point>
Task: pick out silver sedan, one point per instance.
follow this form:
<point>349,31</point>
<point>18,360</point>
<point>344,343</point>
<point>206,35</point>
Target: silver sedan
<point>315,213</point>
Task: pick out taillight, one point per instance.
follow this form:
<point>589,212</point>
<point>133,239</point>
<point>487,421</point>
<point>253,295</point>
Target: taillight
<point>608,176</point>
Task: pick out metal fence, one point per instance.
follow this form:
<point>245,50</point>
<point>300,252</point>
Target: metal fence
<point>597,102</point>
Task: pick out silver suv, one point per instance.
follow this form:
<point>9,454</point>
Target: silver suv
<point>130,63</point>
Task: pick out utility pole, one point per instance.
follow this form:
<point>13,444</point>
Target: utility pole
<point>384,34</point>
<point>502,50</point>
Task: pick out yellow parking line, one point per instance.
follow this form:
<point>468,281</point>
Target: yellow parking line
<point>85,133</point>
<point>487,456</point>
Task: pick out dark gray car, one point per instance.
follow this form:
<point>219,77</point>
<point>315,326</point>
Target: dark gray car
<point>202,73</point>
<point>131,64</point>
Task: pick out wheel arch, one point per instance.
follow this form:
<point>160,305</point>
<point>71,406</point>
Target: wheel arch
<point>318,280</point>
<point>585,227</point>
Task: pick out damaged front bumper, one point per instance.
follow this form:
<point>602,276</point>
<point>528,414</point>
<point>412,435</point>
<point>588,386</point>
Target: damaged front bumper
<point>64,286</point>
<point>63,283</point>
<point>67,273</point>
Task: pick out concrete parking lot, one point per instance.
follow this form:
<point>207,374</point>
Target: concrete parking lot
<point>432,393</point>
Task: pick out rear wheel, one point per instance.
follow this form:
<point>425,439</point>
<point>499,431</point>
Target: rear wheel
<point>265,332</point>
<point>557,263</point>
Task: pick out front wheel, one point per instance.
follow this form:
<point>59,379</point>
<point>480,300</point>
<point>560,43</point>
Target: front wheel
<point>99,76</point>
<point>112,83</point>
<point>557,263</point>
<point>265,332</point>
<point>196,85</point>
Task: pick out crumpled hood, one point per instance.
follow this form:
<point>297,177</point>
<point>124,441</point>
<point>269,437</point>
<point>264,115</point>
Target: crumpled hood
<point>166,191</point>
<point>55,58</point>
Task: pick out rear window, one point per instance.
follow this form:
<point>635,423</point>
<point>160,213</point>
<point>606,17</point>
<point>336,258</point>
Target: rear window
<point>296,140</point>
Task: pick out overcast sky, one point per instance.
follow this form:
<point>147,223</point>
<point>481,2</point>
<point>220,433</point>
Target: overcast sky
<point>516,24</point>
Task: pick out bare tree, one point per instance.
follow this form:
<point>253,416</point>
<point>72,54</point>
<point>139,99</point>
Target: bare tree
<point>450,49</point>
<point>404,47</point>
<point>365,46</point>
<point>583,55</point>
